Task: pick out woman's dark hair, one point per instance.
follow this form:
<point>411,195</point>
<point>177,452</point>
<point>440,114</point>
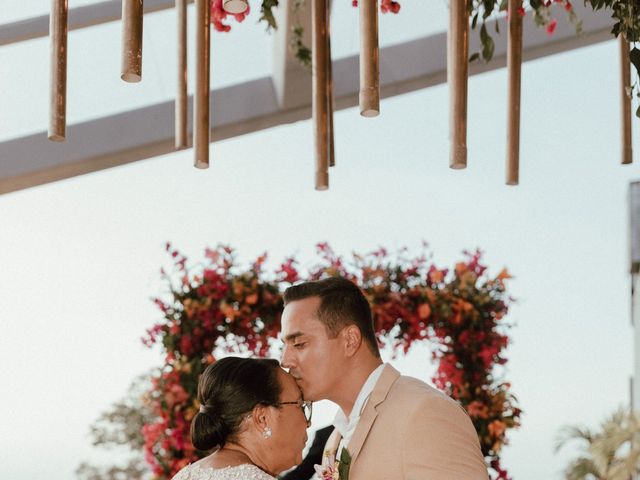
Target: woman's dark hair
<point>228,390</point>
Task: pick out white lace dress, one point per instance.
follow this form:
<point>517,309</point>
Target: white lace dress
<point>239,472</point>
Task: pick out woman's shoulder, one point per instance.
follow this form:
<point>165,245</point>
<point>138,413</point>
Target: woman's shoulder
<point>238,472</point>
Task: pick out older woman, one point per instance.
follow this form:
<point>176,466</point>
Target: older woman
<point>252,417</point>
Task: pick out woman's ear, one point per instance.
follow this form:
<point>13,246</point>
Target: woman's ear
<point>263,420</point>
<point>260,417</point>
<point>352,338</point>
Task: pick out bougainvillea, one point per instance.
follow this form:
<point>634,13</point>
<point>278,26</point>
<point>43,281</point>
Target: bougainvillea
<point>219,306</point>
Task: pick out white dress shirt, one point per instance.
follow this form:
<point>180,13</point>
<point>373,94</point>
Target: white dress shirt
<point>346,426</point>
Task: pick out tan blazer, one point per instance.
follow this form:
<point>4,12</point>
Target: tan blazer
<point>409,430</point>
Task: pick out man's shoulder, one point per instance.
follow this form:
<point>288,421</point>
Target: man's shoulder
<point>410,385</point>
<point>410,393</point>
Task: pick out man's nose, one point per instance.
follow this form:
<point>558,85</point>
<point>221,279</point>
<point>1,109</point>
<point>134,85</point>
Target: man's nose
<point>287,357</point>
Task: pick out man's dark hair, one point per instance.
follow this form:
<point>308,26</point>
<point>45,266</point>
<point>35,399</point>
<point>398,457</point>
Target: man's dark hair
<point>341,304</point>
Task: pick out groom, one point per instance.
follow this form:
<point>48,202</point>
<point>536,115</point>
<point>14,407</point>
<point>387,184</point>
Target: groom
<point>391,426</point>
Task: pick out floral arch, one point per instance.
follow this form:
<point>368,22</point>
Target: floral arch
<point>220,305</point>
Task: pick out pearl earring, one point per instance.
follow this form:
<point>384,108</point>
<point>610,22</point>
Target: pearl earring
<point>267,432</point>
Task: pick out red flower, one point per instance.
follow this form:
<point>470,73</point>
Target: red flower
<point>186,345</point>
<point>552,26</point>
<point>287,272</point>
<point>389,6</point>
<point>385,6</point>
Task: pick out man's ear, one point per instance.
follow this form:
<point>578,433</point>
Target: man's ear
<point>352,339</point>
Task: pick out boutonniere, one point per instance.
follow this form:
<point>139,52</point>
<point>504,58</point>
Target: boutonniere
<point>332,469</point>
<point>329,468</point>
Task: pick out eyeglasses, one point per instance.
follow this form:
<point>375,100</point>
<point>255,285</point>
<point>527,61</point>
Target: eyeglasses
<point>306,406</point>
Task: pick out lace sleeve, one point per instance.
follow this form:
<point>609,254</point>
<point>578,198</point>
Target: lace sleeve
<point>183,474</point>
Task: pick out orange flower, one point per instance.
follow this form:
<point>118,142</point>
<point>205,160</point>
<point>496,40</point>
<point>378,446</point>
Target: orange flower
<point>496,428</point>
<point>477,409</point>
<point>463,306</point>
<point>189,413</point>
<point>503,275</point>
<point>436,276</point>
<point>251,299</point>
<point>228,310</point>
<point>424,311</point>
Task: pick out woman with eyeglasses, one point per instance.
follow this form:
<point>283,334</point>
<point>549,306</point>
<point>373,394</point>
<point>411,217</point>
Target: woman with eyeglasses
<point>252,417</point>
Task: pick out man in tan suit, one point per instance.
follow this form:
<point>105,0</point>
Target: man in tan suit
<point>392,426</point>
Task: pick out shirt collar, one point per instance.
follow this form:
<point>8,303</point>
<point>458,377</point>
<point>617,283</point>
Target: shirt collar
<point>346,426</point>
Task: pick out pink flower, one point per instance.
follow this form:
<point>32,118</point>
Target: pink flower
<point>328,470</point>
<point>552,26</point>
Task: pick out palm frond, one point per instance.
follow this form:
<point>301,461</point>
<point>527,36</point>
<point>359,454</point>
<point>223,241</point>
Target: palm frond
<point>626,467</point>
<point>581,468</point>
<point>573,432</point>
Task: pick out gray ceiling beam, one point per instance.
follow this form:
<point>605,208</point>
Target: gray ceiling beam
<point>251,106</point>
<point>79,17</point>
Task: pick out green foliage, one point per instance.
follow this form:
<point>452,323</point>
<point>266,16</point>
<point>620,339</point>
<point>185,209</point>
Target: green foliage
<point>266,13</point>
<point>625,13</point>
<point>119,428</point>
<point>135,469</point>
<point>302,52</point>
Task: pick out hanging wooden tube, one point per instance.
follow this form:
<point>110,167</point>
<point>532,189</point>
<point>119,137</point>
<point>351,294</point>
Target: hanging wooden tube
<point>132,40</point>
<point>201,98</point>
<point>457,76</point>
<point>625,97</point>
<point>58,78</point>
<point>181,133</point>
<point>319,99</point>
<point>514,70</point>
<point>369,59</point>
<point>332,153</point>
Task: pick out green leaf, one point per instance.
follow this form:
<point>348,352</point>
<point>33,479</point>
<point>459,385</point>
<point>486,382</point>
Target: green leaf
<point>638,112</point>
<point>474,57</point>
<point>266,13</point>
<point>615,31</point>
<point>634,56</point>
<point>488,46</point>
<point>474,21</point>
<point>344,464</point>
